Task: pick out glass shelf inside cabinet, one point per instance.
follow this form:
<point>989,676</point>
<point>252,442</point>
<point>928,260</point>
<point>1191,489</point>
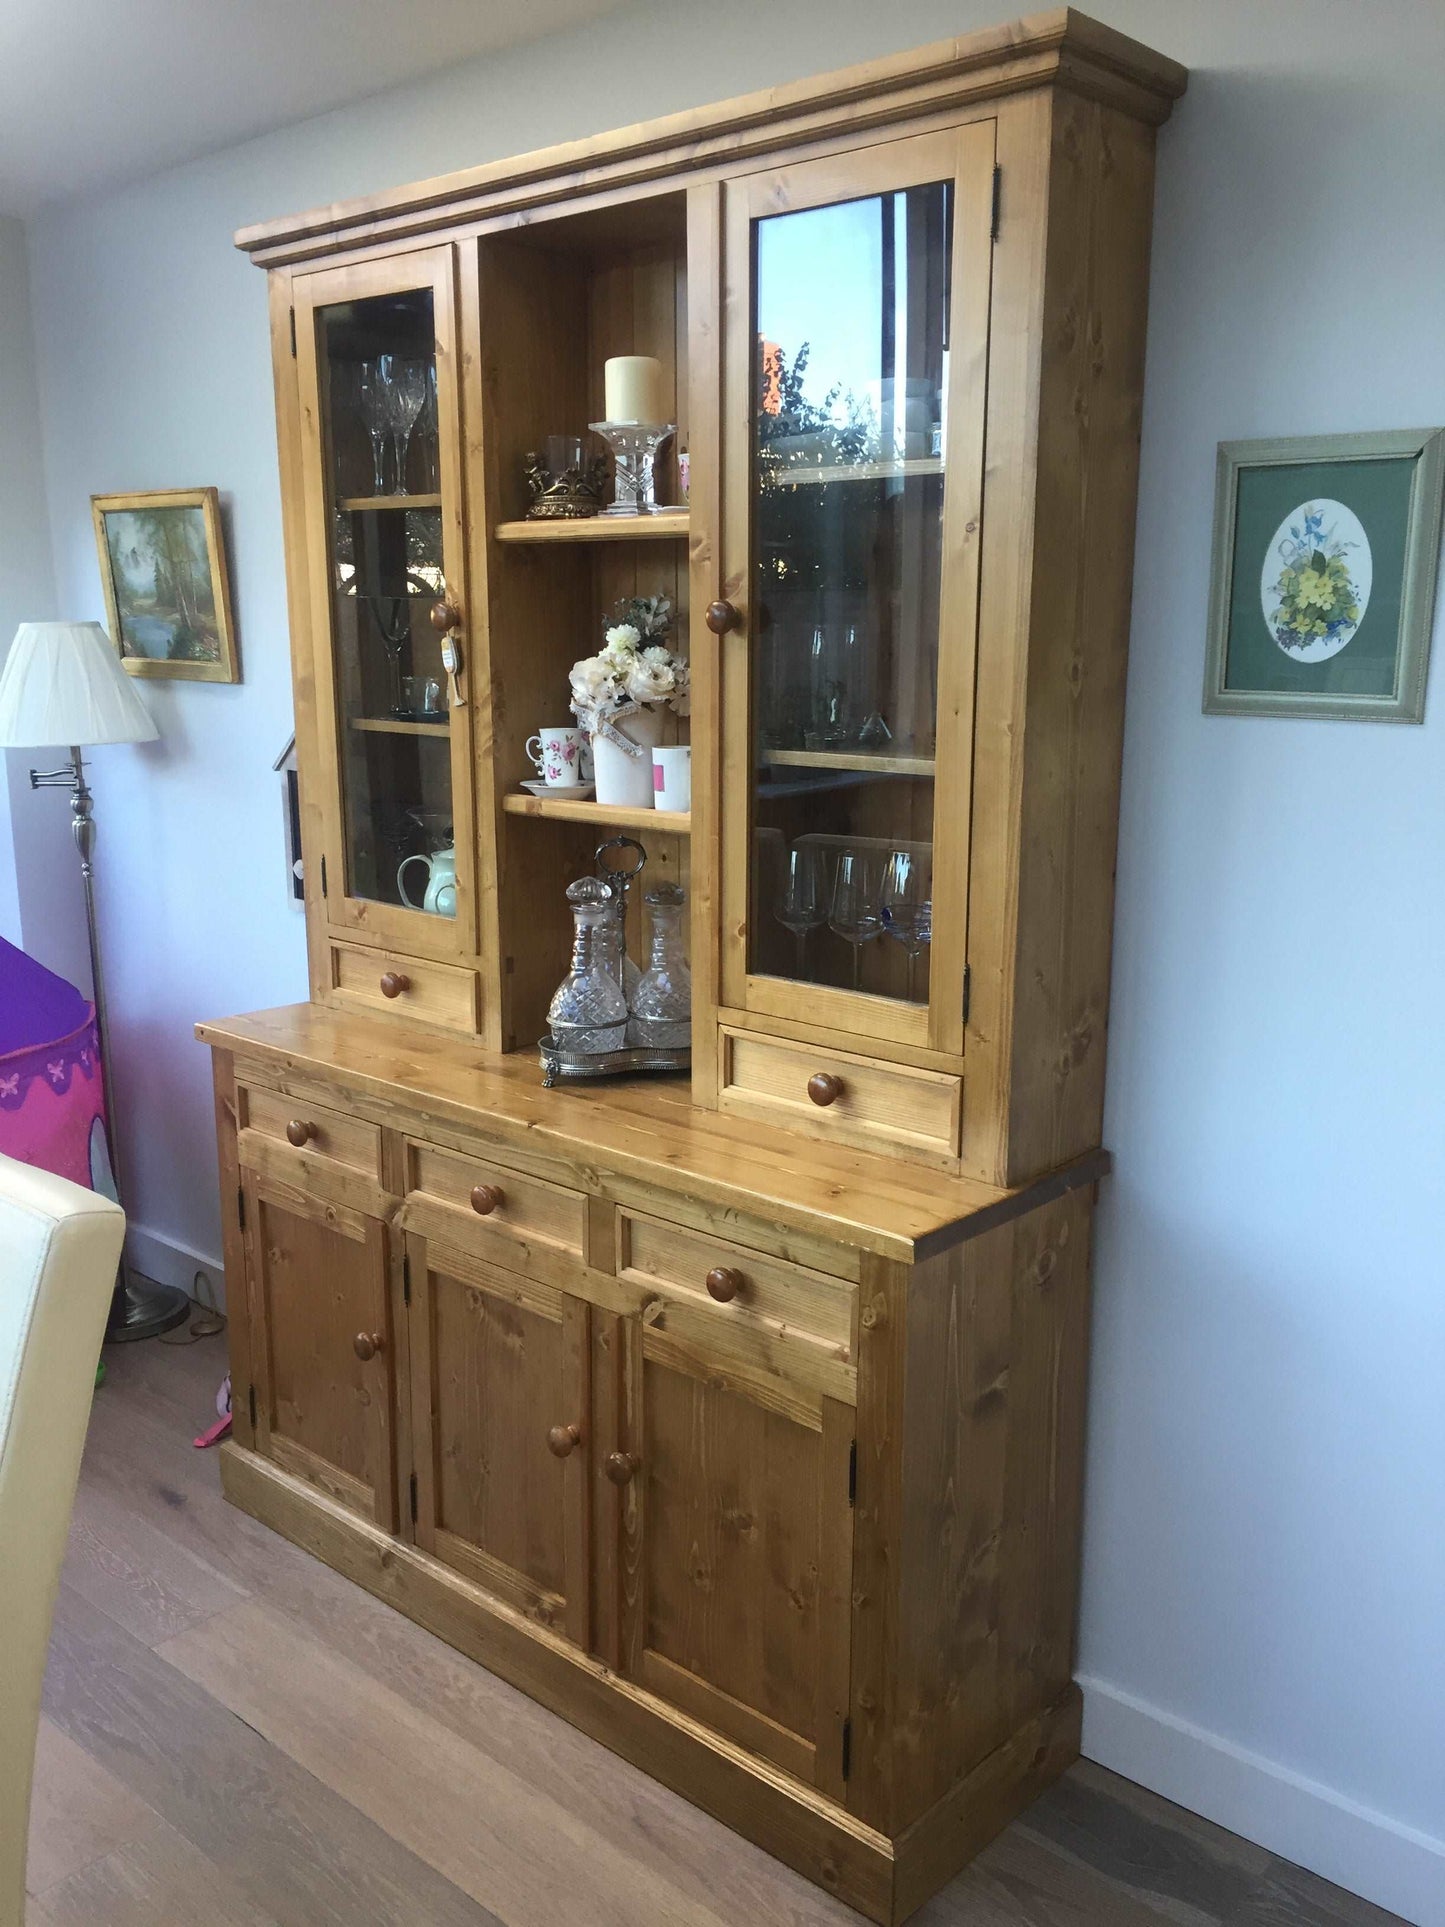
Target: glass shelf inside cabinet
<point>385,542</point>
<point>850,402</point>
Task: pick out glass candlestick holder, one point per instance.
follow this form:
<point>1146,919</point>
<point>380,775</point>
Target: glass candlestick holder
<point>635,447</point>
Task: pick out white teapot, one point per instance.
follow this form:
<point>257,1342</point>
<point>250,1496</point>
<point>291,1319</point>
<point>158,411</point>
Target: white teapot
<point>441,882</point>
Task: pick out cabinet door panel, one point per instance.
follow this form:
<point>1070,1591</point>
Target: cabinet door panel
<point>498,1364</point>
<point>741,1528</point>
<point>856,354</point>
<point>318,1284</point>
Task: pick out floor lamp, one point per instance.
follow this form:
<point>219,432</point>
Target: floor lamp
<point>63,683</point>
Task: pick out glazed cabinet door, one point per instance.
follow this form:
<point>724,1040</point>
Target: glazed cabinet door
<point>376,351</point>
<point>855,352</point>
<point>501,1430</point>
<point>321,1344</point>
<point>735,1527</point>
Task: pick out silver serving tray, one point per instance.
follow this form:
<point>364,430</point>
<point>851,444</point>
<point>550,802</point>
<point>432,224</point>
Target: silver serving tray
<point>558,1061</point>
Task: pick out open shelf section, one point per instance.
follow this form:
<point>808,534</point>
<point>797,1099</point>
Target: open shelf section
<point>390,502</point>
<point>394,726</point>
<point>597,528</point>
<point>875,763</point>
<point>568,809</point>
<point>899,471</point>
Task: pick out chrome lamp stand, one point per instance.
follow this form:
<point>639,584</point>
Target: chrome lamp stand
<point>138,1308</point>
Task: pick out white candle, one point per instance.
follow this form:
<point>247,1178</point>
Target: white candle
<point>632,389</point>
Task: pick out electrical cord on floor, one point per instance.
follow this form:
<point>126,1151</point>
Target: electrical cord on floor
<point>207,1318</point>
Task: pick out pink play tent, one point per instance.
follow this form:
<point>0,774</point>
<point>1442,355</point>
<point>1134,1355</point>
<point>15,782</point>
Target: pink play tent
<point>52,1104</point>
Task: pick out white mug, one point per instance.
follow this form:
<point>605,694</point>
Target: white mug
<point>672,777</point>
<point>557,757</point>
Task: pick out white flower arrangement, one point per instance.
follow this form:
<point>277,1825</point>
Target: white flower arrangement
<point>634,667</point>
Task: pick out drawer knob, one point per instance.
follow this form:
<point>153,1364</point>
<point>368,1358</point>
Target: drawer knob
<point>824,1088</point>
<point>366,1345</point>
<point>722,616</point>
<point>394,982</point>
<point>620,1466</point>
<point>724,1284</point>
<point>562,1438</point>
<point>300,1131</point>
<point>485,1199</point>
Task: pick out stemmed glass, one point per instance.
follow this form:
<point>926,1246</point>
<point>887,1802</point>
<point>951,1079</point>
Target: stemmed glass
<point>800,907</point>
<point>907,907</point>
<point>855,915</point>
<point>373,406</point>
<point>430,428</point>
<point>405,387</point>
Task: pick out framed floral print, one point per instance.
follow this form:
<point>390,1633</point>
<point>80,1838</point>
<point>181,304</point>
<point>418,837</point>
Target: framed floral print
<point>163,568</point>
<point>1323,587</point>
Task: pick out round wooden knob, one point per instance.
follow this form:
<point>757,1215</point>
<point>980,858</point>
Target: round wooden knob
<point>485,1199</point>
<point>724,1284</point>
<point>394,982</point>
<point>299,1131</point>
<point>722,616</point>
<point>444,616</point>
<point>824,1088</point>
<point>562,1438</point>
<point>366,1345</point>
<point>620,1466</point>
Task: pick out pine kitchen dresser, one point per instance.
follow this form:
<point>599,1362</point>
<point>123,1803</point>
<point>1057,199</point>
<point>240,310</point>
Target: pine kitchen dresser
<point>739,1420</point>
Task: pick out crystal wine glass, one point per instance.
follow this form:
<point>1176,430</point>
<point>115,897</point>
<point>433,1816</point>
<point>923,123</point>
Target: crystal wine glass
<point>372,406</point>
<point>800,906</point>
<point>406,396</point>
<point>907,907</point>
<point>855,914</point>
<point>429,424</point>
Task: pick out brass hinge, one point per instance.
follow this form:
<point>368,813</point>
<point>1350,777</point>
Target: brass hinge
<point>406,1278</point>
<point>293,334</point>
<point>967,988</point>
<point>251,1401</point>
<point>847,1748</point>
<point>413,1498</point>
<point>323,875</point>
<point>993,223</point>
<point>241,1206</point>
<point>853,1473</point>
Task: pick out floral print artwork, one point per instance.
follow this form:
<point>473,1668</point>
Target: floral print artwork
<point>1315,583</point>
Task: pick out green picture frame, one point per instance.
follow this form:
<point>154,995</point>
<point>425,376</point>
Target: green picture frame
<point>1322,590</point>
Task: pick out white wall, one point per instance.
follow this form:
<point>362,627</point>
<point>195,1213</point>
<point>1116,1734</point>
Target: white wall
<point>1265,1565</point>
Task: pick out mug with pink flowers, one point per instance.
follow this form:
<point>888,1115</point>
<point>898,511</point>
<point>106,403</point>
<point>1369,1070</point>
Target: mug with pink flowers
<point>557,756</point>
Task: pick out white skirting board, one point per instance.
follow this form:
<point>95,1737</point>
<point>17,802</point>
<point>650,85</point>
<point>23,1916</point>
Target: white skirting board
<point>1368,1853</point>
<point>168,1263</point>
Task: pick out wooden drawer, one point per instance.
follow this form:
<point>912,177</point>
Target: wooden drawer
<point>881,1106</point>
<point>679,1261</point>
<point>323,1133</point>
<point>488,1207</point>
<point>427,993</point>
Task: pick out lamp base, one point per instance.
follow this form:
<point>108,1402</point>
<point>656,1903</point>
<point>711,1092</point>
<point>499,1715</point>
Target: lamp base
<point>143,1309</point>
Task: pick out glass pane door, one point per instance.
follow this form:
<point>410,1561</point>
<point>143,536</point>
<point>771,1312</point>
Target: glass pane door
<point>381,452</point>
<point>863,394</point>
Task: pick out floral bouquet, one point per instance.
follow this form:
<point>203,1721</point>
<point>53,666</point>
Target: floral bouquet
<point>635,668</point>
<point>1316,598</point>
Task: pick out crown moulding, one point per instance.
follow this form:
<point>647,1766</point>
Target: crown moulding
<point>1062,48</point>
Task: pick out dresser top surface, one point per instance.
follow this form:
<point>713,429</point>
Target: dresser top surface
<point>645,1128</point>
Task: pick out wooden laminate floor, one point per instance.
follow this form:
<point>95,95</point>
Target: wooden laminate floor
<point>233,1735</point>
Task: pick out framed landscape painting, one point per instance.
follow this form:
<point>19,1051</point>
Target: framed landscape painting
<point>163,568</point>
<point>1323,589</point>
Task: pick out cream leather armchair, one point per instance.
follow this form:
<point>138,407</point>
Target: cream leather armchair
<point>59,1246</point>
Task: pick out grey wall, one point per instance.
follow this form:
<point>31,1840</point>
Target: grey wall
<point>1265,1568</point>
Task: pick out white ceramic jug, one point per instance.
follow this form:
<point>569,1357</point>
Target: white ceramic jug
<point>441,884</point>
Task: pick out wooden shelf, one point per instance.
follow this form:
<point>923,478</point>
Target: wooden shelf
<point>390,502</point>
<point>570,809</point>
<point>668,523</point>
<point>875,763</point>
<point>394,726</point>
<point>901,471</point>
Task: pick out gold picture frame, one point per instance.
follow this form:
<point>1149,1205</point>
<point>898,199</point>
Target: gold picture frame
<point>167,594</point>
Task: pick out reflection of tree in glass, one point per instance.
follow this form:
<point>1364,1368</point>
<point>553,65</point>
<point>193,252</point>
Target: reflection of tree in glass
<point>841,427</point>
<point>160,557</point>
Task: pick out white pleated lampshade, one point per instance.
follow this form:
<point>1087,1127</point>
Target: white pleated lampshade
<point>63,684</point>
